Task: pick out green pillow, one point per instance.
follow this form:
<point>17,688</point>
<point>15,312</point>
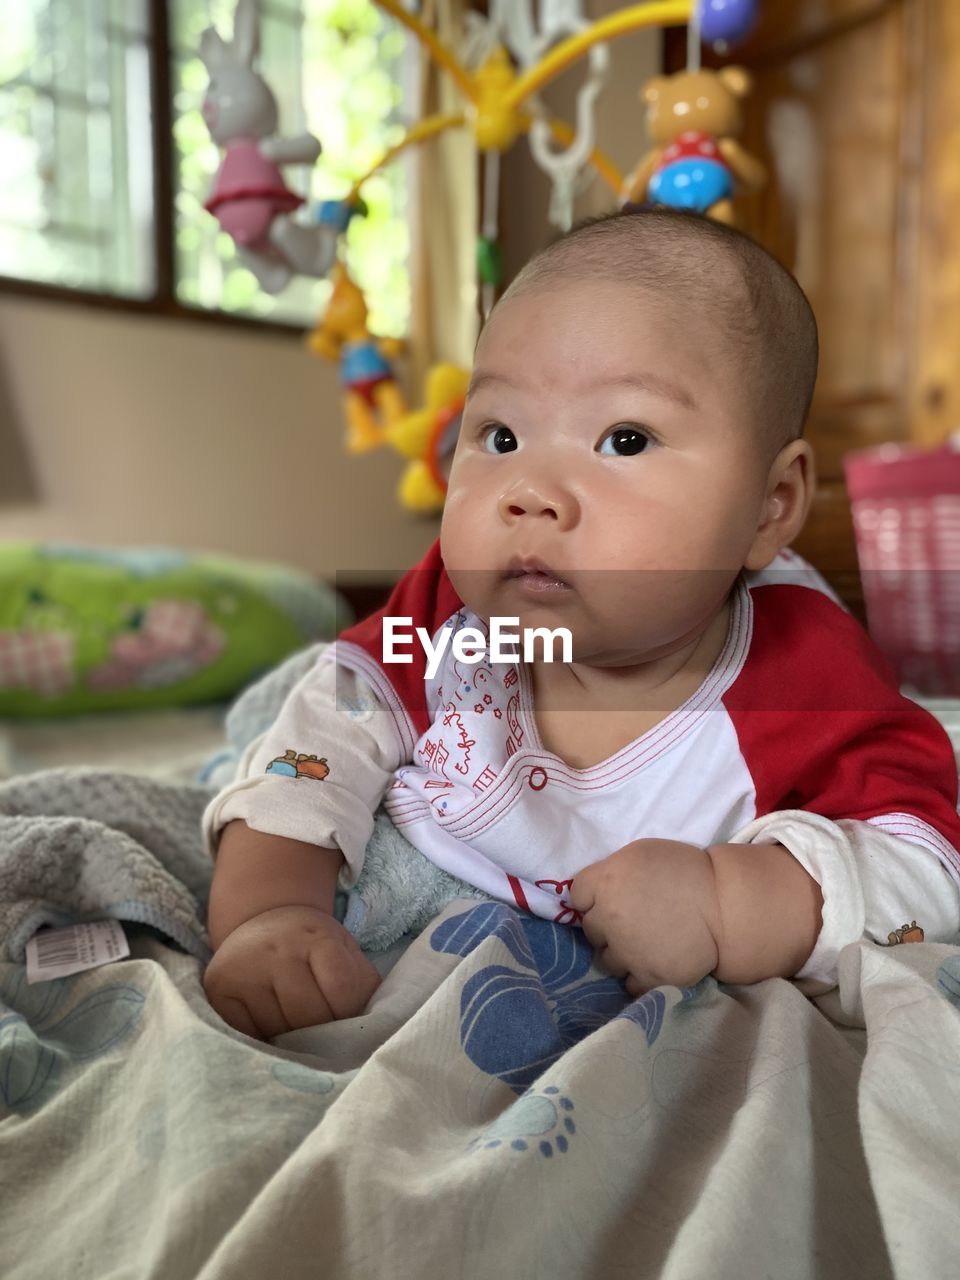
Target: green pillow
<point>85,629</point>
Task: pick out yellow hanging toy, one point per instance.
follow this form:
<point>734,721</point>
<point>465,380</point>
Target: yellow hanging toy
<point>372,398</point>
<point>428,437</point>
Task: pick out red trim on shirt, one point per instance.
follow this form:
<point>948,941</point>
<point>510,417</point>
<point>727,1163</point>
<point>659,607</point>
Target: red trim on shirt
<point>426,595</point>
<point>823,726</point>
<point>517,889</point>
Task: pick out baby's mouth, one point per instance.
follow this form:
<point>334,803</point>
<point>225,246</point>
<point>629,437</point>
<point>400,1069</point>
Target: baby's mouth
<point>534,575</point>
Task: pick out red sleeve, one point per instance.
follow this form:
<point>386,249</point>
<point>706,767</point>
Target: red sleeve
<point>424,594</point>
<point>823,726</point>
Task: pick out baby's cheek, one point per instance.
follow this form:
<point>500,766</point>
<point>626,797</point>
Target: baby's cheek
<point>451,543</point>
<point>709,537</point>
<point>461,537</point>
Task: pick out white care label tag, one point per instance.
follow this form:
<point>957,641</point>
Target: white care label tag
<point>55,953</point>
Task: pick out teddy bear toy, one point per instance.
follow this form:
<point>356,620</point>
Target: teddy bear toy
<point>694,119</point>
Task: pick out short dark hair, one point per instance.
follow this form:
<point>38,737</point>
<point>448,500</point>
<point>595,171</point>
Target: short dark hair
<point>716,267</point>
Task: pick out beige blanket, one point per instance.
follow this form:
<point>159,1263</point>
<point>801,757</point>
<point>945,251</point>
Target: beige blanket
<point>502,1110</point>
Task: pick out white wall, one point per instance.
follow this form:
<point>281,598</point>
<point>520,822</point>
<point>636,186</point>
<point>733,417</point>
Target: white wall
<point>145,430</point>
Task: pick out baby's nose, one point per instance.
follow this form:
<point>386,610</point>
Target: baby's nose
<point>551,502</point>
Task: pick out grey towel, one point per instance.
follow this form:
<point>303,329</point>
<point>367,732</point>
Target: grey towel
<point>85,844</point>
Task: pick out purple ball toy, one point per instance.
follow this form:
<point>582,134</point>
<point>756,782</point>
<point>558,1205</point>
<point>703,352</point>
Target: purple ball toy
<point>725,22</point>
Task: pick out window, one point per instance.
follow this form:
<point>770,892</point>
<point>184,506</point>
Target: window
<point>83,156</point>
<point>76,159</point>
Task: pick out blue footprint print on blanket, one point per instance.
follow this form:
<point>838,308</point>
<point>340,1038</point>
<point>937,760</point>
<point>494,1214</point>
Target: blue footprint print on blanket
<point>536,1121</point>
<point>516,1021</point>
<point>37,1045</point>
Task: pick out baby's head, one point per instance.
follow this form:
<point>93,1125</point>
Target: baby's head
<point>633,427</point>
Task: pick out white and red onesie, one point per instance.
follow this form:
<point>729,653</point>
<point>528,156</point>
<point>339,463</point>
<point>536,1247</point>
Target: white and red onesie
<point>798,735</point>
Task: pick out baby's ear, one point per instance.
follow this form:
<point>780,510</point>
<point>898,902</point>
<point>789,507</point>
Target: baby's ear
<point>246,32</point>
<point>212,49</point>
<point>652,90</point>
<point>737,79</point>
<point>790,489</point>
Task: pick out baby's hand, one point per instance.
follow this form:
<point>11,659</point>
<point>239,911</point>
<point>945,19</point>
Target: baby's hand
<point>650,911</point>
<point>286,968</point>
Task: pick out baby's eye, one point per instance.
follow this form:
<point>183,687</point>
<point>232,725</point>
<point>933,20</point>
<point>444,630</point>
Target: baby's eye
<point>623,442</point>
<point>499,440</point>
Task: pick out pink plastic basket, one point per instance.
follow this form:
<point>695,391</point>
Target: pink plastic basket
<point>906,515</point>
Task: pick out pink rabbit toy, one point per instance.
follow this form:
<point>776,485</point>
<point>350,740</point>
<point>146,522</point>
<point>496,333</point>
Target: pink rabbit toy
<point>249,197</point>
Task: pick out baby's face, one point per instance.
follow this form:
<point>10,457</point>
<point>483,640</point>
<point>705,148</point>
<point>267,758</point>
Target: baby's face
<point>605,448</point>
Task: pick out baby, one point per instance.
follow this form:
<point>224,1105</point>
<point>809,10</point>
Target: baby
<point>720,778</point>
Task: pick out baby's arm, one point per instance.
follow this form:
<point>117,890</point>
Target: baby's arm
<point>281,960</point>
<point>665,912</point>
<point>768,912</point>
<point>782,902</point>
<point>256,872</point>
<point>874,876</point>
<point>284,832</point>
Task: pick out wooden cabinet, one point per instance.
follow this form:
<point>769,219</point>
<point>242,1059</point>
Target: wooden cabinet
<point>856,112</point>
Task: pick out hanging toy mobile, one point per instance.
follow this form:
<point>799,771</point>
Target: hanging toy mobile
<point>250,198</point>
<point>510,25</point>
<point>427,437</point>
<point>496,94</point>
<point>500,102</point>
<point>372,398</point>
<point>698,167</point>
<point>699,164</point>
<point>724,23</point>
<point>694,119</point>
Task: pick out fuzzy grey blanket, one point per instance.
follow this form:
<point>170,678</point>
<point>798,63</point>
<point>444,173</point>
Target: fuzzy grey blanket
<point>83,844</point>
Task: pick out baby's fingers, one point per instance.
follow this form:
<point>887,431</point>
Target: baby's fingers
<point>593,929</point>
<point>608,959</point>
<point>236,1014</point>
<point>256,1012</point>
<point>635,987</point>
<point>583,891</point>
<point>345,976</point>
<point>268,1017</point>
<point>301,1001</point>
<point>228,997</point>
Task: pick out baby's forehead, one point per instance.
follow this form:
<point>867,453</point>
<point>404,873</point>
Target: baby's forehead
<point>595,340</point>
<point>688,290</point>
<point>572,308</point>
<point>701,280</point>
<point>670,260</point>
